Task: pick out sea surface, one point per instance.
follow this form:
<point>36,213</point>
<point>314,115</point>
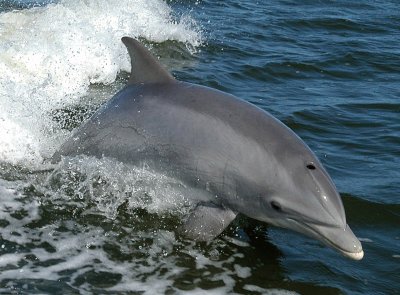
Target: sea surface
<point>330,70</point>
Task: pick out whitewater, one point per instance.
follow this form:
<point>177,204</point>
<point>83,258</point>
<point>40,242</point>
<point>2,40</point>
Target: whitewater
<point>51,55</point>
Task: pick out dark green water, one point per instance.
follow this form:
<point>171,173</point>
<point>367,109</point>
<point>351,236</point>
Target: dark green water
<point>330,70</point>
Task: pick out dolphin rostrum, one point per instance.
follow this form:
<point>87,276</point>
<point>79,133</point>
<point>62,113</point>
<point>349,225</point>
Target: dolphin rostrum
<point>239,156</point>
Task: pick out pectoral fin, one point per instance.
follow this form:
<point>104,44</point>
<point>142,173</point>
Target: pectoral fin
<point>207,221</point>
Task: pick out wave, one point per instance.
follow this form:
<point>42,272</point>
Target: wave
<point>50,55</point>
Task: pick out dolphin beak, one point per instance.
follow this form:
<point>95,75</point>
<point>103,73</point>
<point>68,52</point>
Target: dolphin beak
<point>341,239</point>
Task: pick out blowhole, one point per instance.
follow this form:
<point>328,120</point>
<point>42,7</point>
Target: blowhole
<point>311,166</point>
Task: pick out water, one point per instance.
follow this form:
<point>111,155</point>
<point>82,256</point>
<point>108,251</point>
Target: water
<point>328,69</point>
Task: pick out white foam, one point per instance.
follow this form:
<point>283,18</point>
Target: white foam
<point>70,250</point>
<point>242,271</point>
<point>76,251</point>
<point>11,202</point>
<point>49,56</point>
<point>10,259</point>
<point>365,240</point>
<point>264,291</point>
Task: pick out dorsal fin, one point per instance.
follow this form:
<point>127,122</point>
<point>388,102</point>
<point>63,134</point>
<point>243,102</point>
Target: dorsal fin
<point>145,67</point>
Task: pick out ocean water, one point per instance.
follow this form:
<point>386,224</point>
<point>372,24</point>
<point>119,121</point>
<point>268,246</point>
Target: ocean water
<point>330,70</point>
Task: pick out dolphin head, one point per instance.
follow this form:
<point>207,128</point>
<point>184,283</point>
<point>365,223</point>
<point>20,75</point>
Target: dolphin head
<point>301,196</point>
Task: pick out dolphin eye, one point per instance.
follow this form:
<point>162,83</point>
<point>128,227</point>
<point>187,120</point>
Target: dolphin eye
<point>311,166</point>
<point>276,206</point>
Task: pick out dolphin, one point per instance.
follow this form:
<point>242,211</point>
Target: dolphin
<point>241,158</point>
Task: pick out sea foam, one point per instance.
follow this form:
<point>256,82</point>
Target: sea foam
<point>50,55</point>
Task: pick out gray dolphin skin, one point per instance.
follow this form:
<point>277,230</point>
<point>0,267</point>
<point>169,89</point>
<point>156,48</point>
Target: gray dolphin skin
<point>241,158</point>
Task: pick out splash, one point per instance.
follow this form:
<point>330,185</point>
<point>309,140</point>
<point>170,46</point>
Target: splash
<point>110,184</point>
<point>49,57</point>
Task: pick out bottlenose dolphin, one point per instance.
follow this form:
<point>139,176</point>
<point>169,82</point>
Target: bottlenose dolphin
<point>240,157</point>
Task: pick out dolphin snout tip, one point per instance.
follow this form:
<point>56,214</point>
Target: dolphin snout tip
<point>355,251</point>
<point>354,255</point>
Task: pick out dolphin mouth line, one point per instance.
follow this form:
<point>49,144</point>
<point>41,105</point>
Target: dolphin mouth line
<point>353,255</point>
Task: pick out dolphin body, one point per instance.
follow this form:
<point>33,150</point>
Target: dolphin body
<point>240,157</point>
